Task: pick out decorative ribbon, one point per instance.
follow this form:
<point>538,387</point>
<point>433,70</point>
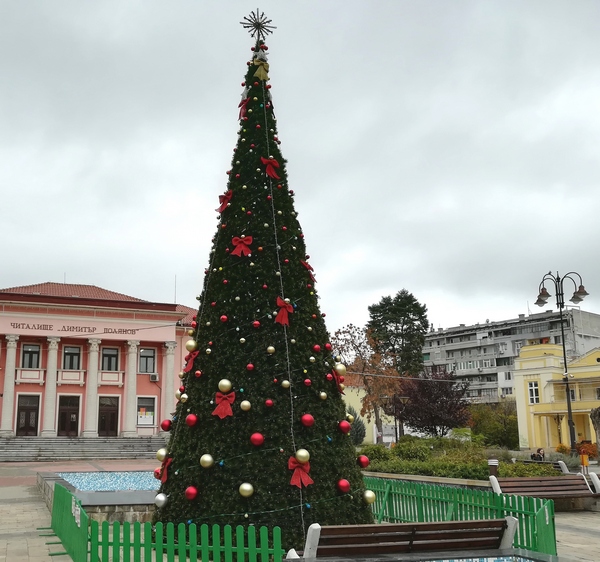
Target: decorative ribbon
<point>337,380</point>
<point>271,164</point>
<point>300,477</point>
<point>243,107</point>
<point>262,70</point>
<point>163,470</point>
<point>285,308</point>
<point>241,246</point>
<point>224,200</point>
<point>310,269</point>
<point>224,402</point>
<point>189,361</point>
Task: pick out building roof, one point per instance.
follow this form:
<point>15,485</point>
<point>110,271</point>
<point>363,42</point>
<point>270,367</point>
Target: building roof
<point>70,290</point>
<point>190,313</point>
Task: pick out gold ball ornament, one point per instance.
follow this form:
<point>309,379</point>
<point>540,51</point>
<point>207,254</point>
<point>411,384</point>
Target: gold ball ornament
<point>245,405</point>
<point>191,345</point>
<point>177,394</point>
<point>350,418</point>
<point>190,332</point>
<point>270,350</point>
<point>302,456</point>
<point>161,454</point>
<point>340,369</point>
<point>369,496</point>
<point>183,398</point>
<point>246,489</point>
<point>311,359</point>
<point>285,384</point>
<point>225,385</point>
<point>181,375</point>
<point>342,387</point>
<point>323,395</point>
<point>206,461</point>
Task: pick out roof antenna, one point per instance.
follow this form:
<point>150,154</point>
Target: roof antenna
<point>65,277</point>
<point>175,298</point>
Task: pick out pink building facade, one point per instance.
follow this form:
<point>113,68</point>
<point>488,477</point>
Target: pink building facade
<point>78,360</point>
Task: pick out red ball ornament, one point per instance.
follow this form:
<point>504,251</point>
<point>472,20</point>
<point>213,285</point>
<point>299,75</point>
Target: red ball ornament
<point>252,145</point>
<point>341,378</point>
<point>198,374</point>
<point>286,261</point>
<point>307,382</point>
<point>317,348</point>
<point>343,485</point>
<point>269,198</point>
<point>329,377</point>
<point>257,439</point>
<point>225,281</point>
<point>191,420</point>
<point>279,186</point>
<point>191,492</point>
<point>256,324</point>
<point>166,425</point>
<point>284,228</point>
<point>269,403</point>
<point>363,461</point>
<point>182,388</point>
<point>268,86</point>
<point>265,286</point>
<point>307,420</point>
<point>248,213</point>
<point>258,126</point>
<point>157,473</point>
<point>344,426</point>
<point>243,83</point>
<point>213,304</point>
<point>224,318</point>
<point>314,317</point>
<point>328,346</point>
<point>250,367</point>
<point>256,83</point>
<point>237,176</point>
<point>194,324</point>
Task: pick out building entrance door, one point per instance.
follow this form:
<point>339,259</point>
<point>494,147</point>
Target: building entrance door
<point>108,416</point>
<point>68,416</point>
<point>28,410</point>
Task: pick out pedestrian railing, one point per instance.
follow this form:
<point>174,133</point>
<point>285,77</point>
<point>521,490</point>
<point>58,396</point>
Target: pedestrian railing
<point>401,501</point>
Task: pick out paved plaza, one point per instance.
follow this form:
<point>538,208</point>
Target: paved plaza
<point>22,512</point>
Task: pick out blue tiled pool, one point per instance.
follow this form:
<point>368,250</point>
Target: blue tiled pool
<point>110,481</point>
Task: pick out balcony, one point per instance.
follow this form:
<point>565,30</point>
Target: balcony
<point>110,378</point>
<point>30,376</point>
<point>70,377</point>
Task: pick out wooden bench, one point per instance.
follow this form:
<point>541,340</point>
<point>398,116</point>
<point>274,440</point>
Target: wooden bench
<point>569,491</point>
<point>347,541</point>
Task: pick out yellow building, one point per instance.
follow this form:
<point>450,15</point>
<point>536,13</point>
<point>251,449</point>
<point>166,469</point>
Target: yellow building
<point>540,394</point>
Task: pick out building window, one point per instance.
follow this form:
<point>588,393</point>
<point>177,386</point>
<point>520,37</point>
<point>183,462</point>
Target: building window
<point>507,391</point>
<point>71,358</point>
<point>534,393</point>
<point>145,411</point>
<point>148,361</point>
<point>110,359</point>
<point>508,376</point>
<point>572,393</point>
<point>31,357</point>
<point>425,358</point>
<point>598,394</point>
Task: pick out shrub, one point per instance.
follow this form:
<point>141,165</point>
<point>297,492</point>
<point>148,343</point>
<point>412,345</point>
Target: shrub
<point>590,449</point>
<point>506,470</point>
<point>412,451</point>
<point>563,449</point>
<point>376,453</point>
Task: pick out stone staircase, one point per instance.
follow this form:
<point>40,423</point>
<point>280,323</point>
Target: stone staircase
<point>21,449</point>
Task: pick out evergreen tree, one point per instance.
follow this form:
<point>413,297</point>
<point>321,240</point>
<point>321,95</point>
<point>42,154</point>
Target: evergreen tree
<point>397,327</point>
<point>260,435</point>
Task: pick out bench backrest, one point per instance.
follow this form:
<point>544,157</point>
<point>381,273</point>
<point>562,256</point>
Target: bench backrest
<point>546,486</point>
<point>359,540</point>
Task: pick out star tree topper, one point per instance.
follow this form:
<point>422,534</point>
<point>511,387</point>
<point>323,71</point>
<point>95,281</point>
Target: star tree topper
<point>258,25</point>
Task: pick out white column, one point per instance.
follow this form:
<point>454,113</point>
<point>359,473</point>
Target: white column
<point>90,427</point>
<point>49,415</point>
<point>129,429</point>
<point>168,404</point>
<point>8,401</point>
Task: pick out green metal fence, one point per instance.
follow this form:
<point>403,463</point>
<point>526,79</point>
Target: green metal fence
<point>400,501</point>
<point>139,542</point>
<point>70,523</point>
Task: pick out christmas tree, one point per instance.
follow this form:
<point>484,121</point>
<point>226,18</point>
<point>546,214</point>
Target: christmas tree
<point>260,435</point>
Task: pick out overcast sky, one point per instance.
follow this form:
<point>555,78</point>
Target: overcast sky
<point>448,148</point>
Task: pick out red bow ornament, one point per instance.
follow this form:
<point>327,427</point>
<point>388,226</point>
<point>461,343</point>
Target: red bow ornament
<point>163,470</point>
<point>224,402</point>
<point>285,308</point>
<point>189,361</point>
<point>309,268</point>
<point>300,477</point>
<point>224,201</point>
<point>270,164</point>
<point>337,380</point>
<point>243,107</point>
<point>242,246</point>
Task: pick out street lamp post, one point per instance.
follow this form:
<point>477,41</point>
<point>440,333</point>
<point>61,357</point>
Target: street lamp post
<point>579,294</point>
